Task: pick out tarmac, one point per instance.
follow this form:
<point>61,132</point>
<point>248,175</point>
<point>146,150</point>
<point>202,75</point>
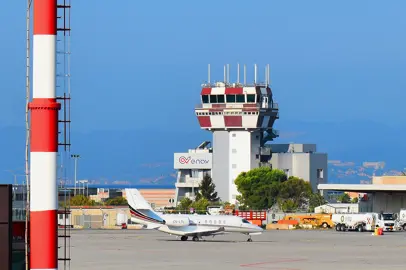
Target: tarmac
<point>276,250</point>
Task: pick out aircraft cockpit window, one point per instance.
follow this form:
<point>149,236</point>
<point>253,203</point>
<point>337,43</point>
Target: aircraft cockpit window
<point>245,221</point>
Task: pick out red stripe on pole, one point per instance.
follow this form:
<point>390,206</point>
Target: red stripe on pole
<point>43,240</point>
<point>44,124</point>
<point>44,17</point>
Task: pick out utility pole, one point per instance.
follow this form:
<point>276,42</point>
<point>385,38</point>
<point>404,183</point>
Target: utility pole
<point>75,158</point>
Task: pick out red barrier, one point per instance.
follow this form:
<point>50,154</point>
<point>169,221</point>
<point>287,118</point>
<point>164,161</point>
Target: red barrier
<point>251,215</point>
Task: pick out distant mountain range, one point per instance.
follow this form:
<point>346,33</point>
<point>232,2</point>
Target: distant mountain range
<point>146,156</point>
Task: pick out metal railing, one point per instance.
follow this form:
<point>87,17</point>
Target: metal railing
<point>275,131</point>
<point>189,180</point>
<point>271,105</point>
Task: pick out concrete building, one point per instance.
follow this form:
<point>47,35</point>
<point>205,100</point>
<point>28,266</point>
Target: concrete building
<point>241,117</point>
<point>159,196</point>
<point>337,208</point>
<point>192,166</point>
<point>301,160</point>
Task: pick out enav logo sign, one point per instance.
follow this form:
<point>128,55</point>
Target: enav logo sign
<point>192,160</point>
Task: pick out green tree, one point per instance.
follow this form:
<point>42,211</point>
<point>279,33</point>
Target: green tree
<point>295,192</point>
<point>184,204</point>
<point>81,200</point>
<point>259,187</point>
<point>316,200</point>
<point>116,201</point>
<point>354,200</point>
<point>288,205</point>
<point>344,198</point>
<point>200,205</point>
<point>207,190</point>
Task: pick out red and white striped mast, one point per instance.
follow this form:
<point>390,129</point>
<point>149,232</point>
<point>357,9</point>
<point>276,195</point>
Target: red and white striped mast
<point>44,140</point>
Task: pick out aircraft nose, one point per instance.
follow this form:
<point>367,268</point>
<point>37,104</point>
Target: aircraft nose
<point>257,228</point>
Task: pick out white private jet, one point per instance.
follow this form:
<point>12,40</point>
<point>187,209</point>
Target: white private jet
<point>185,226</point>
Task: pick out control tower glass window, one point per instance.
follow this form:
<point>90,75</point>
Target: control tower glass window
<point>213,98</point>
<point>240,98</point>
<point>251,98</point>
<point>220,98</point>
<point>230,98</point>
<point>205,98</point>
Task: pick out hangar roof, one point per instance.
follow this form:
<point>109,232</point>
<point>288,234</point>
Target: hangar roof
<point>362,187</point>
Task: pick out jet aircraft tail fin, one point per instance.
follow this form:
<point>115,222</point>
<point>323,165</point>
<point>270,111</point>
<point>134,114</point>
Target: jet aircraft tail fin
<point>140,209</point>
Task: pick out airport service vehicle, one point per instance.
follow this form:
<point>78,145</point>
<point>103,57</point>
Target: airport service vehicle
<point>386,221</point>
<point>185,226</point>
<point>357,221</point>
<point>215,210</point>
<point>318,220</point>
<point>401,219</point>
<point>364,221</point>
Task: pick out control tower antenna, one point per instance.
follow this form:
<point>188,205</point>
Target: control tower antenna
<point>228,73</point>
<point>269,75</point>
<point>225,73</point>
<point>208,79</point>
<point>238,73</point>
<point>245,75</point>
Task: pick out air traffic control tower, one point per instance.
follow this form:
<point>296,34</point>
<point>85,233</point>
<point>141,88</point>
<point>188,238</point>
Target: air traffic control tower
<point>241,117</point>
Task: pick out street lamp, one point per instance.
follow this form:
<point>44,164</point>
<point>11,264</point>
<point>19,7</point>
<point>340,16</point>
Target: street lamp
<point>75,157</point>
<point>15,176</point>
<point>84,182</point>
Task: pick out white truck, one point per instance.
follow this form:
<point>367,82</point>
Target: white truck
<point>354,221</point>
<point>386,221</point>
<point>401,220</point>
<point>364,221</point>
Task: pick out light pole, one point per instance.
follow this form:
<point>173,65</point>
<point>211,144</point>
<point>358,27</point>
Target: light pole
<point>75,158</point>
<point>15,176</point>
<point>84,182</point>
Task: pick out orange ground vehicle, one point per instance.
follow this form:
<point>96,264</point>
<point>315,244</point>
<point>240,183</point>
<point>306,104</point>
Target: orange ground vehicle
<point>317,220</point>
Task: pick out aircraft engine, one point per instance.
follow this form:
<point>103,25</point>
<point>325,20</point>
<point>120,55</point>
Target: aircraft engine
<point>177,221</point>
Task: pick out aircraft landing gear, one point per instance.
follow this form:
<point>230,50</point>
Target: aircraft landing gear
<point>183,238</point>
<point>249,239</point>
<point>195,238</point>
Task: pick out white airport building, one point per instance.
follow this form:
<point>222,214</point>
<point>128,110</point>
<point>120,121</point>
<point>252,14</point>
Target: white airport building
<point>301,160</point>
<point>192,166</point>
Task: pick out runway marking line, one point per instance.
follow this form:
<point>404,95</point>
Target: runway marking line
<point>259,264</point>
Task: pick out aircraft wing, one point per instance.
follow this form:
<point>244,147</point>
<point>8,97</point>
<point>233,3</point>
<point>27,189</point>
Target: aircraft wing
<point>205,231</point>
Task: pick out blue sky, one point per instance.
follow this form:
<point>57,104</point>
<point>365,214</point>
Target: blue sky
<point>139,64</point>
